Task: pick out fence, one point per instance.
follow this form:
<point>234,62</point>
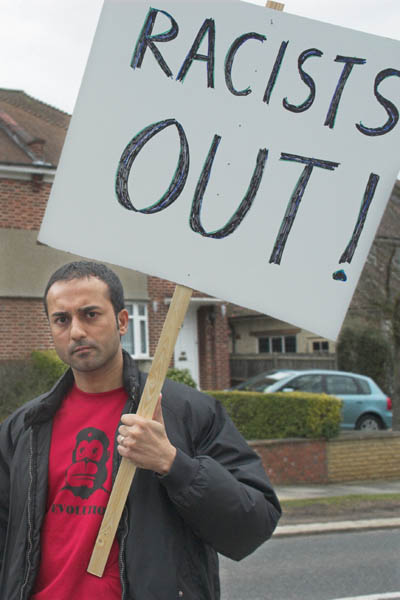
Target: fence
<point>244,366</point>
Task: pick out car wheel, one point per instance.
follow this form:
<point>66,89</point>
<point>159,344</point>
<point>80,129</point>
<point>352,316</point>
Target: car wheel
<point>369,423</point>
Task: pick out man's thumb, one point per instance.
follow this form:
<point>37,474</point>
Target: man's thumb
<point>158,415</point>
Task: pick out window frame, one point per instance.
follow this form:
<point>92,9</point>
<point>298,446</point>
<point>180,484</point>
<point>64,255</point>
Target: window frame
<point>270,343</point>
<point>136,319</point>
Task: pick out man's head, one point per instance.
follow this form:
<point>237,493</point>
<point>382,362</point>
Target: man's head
<point>81,269</point>
<point>85,306</point>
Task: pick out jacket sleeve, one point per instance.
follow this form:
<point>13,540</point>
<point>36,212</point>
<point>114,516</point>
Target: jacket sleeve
<point>222,491</point>
<point>4,488</point>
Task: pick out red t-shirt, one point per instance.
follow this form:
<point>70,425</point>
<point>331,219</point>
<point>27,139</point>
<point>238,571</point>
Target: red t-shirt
<point>79,485</point>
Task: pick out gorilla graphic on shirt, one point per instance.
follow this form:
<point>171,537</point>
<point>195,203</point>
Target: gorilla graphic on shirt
<point>88,470</point>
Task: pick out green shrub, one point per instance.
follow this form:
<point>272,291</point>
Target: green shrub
<point>47,366</point>
<point>282,415</point>
<point>22,380</point>
<point>181,376</point>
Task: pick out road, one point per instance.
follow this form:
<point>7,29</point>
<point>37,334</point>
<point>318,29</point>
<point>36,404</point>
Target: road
<point>317,567</point>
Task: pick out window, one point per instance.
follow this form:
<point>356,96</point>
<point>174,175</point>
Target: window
<point>135,341</point>
<point>341,384</point>
<point>263,344</point>
<point>278,343</point>
<point>307,383</point>
<point>320,346</point>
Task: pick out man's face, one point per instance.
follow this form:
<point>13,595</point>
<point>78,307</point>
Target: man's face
<point>85,330</point>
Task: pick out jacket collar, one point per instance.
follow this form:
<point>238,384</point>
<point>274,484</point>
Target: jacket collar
<point>48,403</point>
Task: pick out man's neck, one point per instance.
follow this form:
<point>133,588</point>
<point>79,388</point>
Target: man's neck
<point>109,377</point>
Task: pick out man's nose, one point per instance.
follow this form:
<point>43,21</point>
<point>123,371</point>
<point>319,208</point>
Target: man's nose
<point>77,330</point>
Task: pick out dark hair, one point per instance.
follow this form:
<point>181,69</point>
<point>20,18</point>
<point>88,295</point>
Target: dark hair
<point>81,269</point>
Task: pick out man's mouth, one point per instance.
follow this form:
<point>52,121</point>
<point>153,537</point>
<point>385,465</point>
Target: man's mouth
<point>80,349</point>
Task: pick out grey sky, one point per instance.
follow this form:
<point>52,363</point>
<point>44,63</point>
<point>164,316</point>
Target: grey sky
<point>44,44</point>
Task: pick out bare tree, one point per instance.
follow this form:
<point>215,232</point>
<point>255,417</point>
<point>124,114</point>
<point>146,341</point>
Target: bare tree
<point>377,298</point>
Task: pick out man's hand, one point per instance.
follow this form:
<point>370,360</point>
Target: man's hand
<point>145,441</point>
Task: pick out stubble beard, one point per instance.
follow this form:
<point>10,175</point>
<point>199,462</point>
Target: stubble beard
<point>94,360</point>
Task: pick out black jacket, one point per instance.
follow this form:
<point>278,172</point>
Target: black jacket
<point>216,498</point>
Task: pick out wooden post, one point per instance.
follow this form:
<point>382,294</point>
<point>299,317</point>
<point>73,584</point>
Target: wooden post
<point>275,5</point>
<point>123,481</point>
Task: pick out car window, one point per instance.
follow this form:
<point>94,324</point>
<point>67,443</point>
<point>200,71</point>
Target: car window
<point>255,386</point>
<point>364,386</point>
<point>341,384</point>
<point>260,384</point>
<point>306,383</point>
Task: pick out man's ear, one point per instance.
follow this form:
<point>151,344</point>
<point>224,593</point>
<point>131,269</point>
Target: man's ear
<point>123,321</point>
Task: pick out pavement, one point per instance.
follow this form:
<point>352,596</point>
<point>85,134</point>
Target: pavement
<point>293,492</point>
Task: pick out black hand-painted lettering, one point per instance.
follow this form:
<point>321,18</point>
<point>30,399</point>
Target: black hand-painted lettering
<point>146,40</point>
<point>231,56</point>
<point>334,105</point>
<point>295,200</point>
<point>390,108</point>
<point>131,152</point>
<point>308,80</point>
<point>275,71</point>
<point>208,28</point>
<point>362,215</point>
<point>244,207</point>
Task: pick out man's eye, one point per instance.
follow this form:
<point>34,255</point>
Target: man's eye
<point>60,320</point>
<point>91,314</point>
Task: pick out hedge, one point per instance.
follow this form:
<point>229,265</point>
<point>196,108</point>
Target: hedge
<point>22,380</point>
<point>181,376</point>
<point>282,414</point>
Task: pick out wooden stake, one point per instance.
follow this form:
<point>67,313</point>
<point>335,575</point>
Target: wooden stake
<point>123,481</point>
<point>275,5</point>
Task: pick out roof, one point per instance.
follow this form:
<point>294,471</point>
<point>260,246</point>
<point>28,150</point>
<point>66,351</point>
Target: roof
<point>31,132</point>
<point>234,311</point>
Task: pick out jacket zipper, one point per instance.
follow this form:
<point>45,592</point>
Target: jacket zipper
<point>124,533</point>
<point>122,552</point>
<point>30,522</point>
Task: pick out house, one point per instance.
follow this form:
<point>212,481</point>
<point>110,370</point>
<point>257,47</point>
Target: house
<point>32,134</point>
<point>219,343</point>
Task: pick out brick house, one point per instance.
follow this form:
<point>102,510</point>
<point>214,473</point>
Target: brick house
<point>218,343</point>
<point>31,138</point>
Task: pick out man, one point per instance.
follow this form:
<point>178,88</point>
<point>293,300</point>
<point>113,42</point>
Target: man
<point>199,489</point>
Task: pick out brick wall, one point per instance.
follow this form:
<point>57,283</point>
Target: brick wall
<point>158,290</point>
<point>22,203</point>
<point>293,460</point>
<point>351,457</point>
<point>23,327</point>
<point>364,456</point>
<point>23,324</point>
<point>213,348</point>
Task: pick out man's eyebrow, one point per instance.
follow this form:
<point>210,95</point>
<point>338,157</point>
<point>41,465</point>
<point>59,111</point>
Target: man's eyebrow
<point>83,309</point>
<point>89,308</point>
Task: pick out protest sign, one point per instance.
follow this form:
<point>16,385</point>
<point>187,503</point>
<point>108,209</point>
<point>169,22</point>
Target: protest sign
<point>237,150</point>
<point>230,149</point>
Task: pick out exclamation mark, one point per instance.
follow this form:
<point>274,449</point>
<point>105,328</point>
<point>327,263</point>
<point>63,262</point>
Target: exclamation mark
<point>362,215</point>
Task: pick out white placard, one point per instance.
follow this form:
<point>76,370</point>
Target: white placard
<point>234,149</point>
